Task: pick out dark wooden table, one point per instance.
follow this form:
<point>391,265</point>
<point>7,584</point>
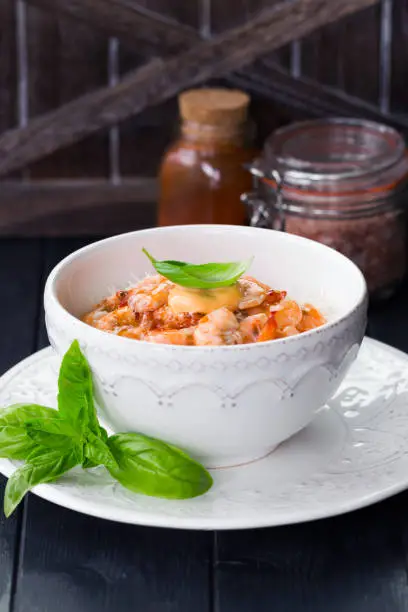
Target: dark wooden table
<point>54,560</point>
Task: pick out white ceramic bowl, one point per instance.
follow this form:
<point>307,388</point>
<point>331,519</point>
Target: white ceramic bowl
<point>225,405</point>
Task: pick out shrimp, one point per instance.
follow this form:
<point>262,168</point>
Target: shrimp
<point>253,293</point>
<point>130,331</point>
<point>290,330</point>
<point>311,318</point>
<point>256,310</point>
<point>289,314</point>
<point>116,300</point>
<point>251,327</point>
<point>275,297</point>
<point>149,294</point>
<point>92,318</point>
<point>174,336</point>
<point>218,327</point>
<point>107,305</point>
<point>269,330</point>
<point>117,318</point>
<point>164,317</point>
<point>272,298</point>
<point>258,282</point>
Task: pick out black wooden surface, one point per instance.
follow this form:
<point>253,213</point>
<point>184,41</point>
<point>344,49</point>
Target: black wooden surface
<point>54,560</point>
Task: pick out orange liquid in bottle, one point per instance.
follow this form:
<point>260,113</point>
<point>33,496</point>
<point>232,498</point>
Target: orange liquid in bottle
<point>202,175</point>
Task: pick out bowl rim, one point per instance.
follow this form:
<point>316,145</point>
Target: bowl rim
<point>51,296</point>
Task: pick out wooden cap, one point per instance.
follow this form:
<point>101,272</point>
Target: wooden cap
<point>214,106</point>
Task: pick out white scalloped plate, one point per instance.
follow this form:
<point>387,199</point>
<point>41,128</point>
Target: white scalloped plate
<point>354,454</point>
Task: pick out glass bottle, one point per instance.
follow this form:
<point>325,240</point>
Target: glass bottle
<point>202,174</point>
<point>342,182</point>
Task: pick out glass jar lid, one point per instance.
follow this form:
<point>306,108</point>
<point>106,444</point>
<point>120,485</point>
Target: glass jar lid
<point>336,154</point>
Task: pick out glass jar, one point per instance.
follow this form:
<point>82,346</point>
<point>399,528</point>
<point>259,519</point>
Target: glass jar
<point>202,175</point>
<point>342,182</point>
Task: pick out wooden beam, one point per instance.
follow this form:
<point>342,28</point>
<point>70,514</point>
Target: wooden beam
<point>131,23</point>
<point>159,80</point>
<point>314,99</point>
<point>27,201</point>
<point>136,26</point>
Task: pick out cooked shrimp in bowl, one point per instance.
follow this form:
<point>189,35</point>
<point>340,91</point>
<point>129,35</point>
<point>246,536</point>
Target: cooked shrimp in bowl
<point>202,305</point>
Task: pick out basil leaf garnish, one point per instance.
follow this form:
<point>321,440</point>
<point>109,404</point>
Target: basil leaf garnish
<point>18,414</point>
<point>46,467</point>
<point>202,276</point>
<point>58,442</point>
<point>52,442</point>
<point>97,452</point>
<point>15,442</point>
<point>75,391</point>
<point>147,465</point>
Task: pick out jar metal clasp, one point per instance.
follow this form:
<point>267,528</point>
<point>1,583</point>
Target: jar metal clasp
<point>261,214</point>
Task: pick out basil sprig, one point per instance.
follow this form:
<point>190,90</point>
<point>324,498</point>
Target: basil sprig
<point>201,276</point>
<point>52,442</point>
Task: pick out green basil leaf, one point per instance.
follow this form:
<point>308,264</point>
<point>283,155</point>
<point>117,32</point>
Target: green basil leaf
<point>40,452</point>
<point>75,391</point>
<point>47,468</point>
<point>88,463</point>
<point>18,414</point>
<point>97,452</point>
<point>202,276</point>
<point>58,442</point>
<point>15,443</point>
<point>103,434</point>
<point>218,272</point>
<point>152,467</point>
<point>55,425</point>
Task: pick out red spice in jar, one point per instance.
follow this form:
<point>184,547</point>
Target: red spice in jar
<point>376,244</point>
<point>343,183</point>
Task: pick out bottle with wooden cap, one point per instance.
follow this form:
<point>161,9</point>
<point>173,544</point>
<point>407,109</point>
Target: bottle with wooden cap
<point>202,174</point>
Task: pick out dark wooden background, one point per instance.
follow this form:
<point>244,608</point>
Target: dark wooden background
<point>357,66</point>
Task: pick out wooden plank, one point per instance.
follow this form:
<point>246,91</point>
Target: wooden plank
<point>346,55</point>
<point>232,13</point>
<point>176,11</point>
<point>26,201</point>
<point>399,58</point>
<point>155,128</point>
<point>133,22</point>
<point>309,98</point>
<point>93,221</point>
<point>159,27</point>
<point>388,322</point>
<point>91,565</point>
<point>40,207</point>
<point>60,76</point>
<point>119,19</point>
<point>353,563</point>
<point>169,27</point>
<point>9,543</point>
<point>157,81</point>
<point>8,71</point>
<point>19,286</point>
<point>7,65</point>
